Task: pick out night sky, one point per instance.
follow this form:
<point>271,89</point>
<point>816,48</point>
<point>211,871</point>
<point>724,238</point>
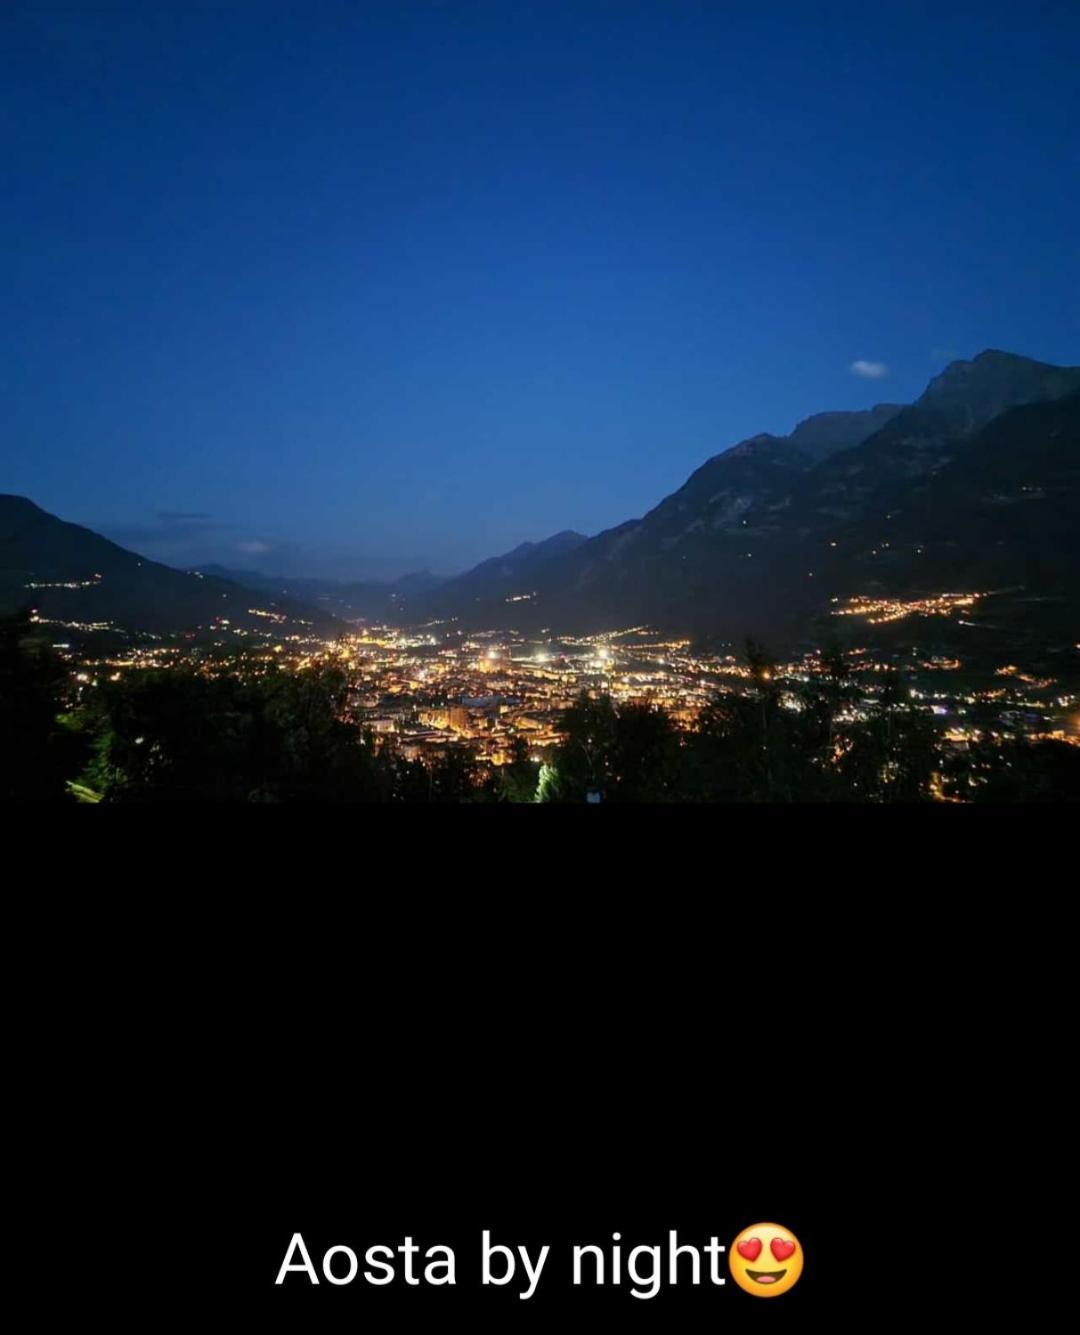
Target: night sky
<point>355,288</point>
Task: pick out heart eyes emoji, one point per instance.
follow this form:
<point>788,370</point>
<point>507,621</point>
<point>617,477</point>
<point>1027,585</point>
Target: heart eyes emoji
<point>766,1260</point>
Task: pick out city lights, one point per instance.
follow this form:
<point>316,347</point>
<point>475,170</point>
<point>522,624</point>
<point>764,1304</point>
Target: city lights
<point>878,611</point>
<point>429,691</point>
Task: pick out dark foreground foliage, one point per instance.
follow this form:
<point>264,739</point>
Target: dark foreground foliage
<point>185,735</point>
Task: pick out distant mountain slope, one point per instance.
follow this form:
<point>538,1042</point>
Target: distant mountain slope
<point>358,599</point>
<point>756,475</point>
<point>619,565</point>
<point>744,544</point>
<point>826,433</point>
<point>511,575</point>
<point>1002,513</point>
<point>72,574</point>
<point>977,391</point>
<point>924,436</point>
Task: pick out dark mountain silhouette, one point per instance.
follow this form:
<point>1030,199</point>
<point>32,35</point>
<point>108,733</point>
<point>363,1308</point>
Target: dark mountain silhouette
<point>71,574</point>
<point>745,543</point>
<point>511,575</point>
<point>351,599</point>
<point>923,437</point>
<point>974,485</point>
<point>974,392</point>
<point>1001,515</point>
<point>825,433</point>
<point>417,581</point>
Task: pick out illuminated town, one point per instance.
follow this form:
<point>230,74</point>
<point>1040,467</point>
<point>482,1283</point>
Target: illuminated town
<point>433,689</point>
<point>880,611</point>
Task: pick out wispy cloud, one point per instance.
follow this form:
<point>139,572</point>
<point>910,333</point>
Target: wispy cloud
<point>173,536</point>
<point>869,370</point>
<point>191,539</point>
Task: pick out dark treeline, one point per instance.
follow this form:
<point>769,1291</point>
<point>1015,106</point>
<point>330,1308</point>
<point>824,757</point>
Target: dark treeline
<point>183,735</point>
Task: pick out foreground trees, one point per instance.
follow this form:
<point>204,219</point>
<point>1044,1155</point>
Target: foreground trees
<point>181,736</point>
<point>1020,771</point>
<point>36,748</point>
<point>178,735</point>
<point>771,744</point>
<point>625,754</point>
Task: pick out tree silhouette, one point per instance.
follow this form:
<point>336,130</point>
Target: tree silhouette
<point>517,779</point>
<point>34,748</point>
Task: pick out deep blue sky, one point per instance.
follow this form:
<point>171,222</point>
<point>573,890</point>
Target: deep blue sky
<point>349,288</point>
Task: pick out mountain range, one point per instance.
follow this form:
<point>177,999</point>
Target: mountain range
<point>353,600</point>
<point>973,487</point>
<point>976,481</point>
<point>397,600</point>
<point>78,579</point>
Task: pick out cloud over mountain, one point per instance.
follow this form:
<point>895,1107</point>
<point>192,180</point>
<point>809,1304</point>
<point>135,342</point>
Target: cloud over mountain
<point>869,370</point>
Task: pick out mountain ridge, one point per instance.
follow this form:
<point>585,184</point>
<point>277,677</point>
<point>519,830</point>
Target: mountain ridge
<point>369,600</point>
<point>77,577</point>
<point>734,549</point>
<point>717,551</point>
<point>505,576</point>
